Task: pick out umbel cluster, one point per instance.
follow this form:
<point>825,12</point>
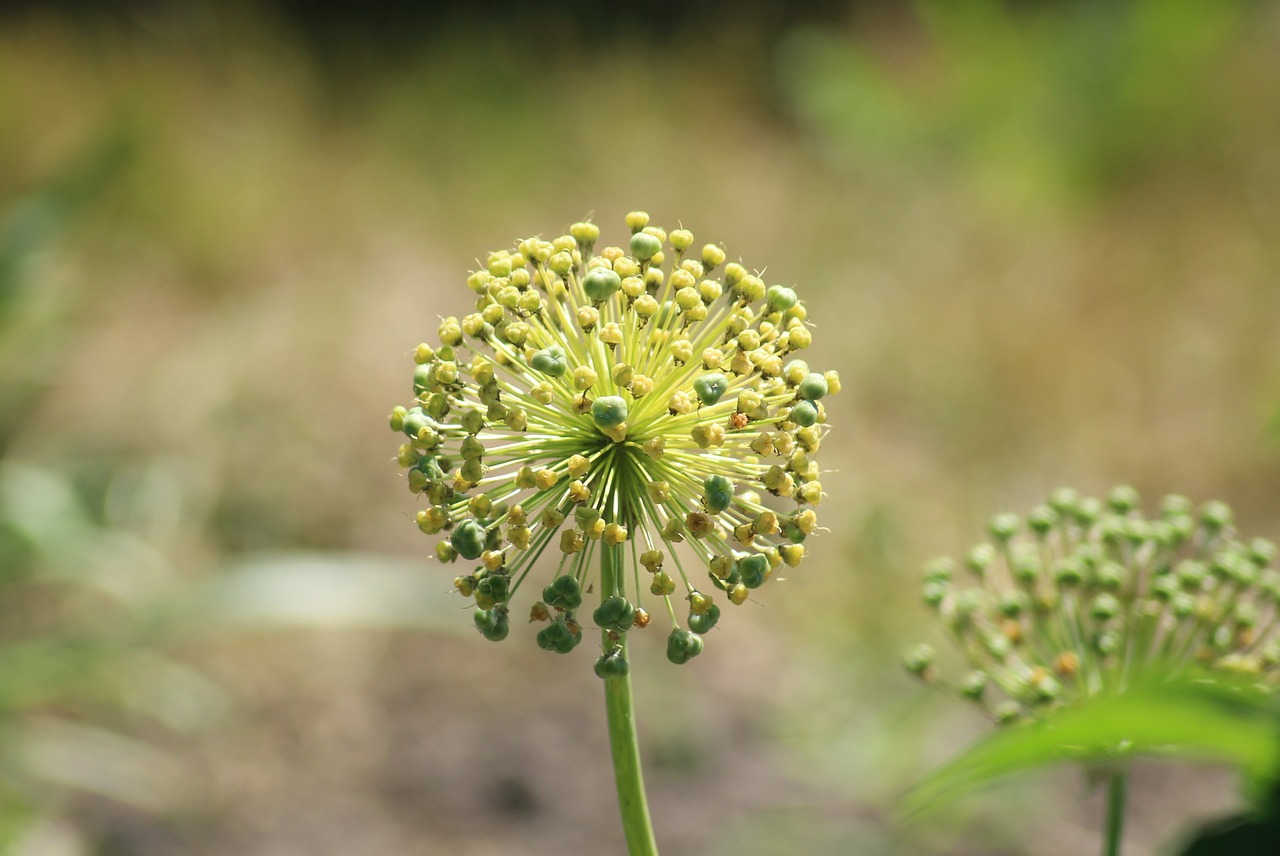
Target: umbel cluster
<point>1084,595</point>
<point>642,415</point>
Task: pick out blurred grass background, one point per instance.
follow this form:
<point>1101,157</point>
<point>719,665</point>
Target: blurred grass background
<point>1042,240</point>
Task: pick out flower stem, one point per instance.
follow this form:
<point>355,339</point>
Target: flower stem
<point>622,732</point>
<point>1116,786</point>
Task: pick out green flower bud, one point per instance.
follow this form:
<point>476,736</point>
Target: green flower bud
<point>609,411</point>
<point>468,539</point>
<point>974,685</point>
<point>563,592</point>
<point>645,246</point>
<point>550,361</point>
<point>600,283</point>
<point>702,622</point>
<point>1123,499</point>
<point>612,664</point>
<point>558,637</point>
<point>754,570</point>
<point>780,298</point>
<point>804,414</point>
<point>683,646</point>
<point>813,387</point>
<point>616,613</point>
<point>918,660</point>
<point>718,493</point>
<point>710,387</point>
<point>1004,527</point>
<point>1215,516</point>
<point>493,623</point>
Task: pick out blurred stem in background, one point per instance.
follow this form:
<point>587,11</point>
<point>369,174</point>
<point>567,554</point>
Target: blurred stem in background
<point>623,740</point>
<point>1117,784</point>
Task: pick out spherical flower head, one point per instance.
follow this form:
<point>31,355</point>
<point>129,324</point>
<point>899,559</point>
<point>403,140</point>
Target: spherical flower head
<point>1084,596</point>
<point>647,399</point>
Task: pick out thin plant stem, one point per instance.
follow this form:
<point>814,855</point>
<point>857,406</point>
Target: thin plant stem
<point>1116,787</point>
<point>621,715</point>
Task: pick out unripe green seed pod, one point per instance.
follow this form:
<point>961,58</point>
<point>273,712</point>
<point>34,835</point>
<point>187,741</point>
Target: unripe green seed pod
<point>804,414</point>
<point>600,283</point>
<point>558,637</point>
<point>584,378</point>
<point>711,387</point>
<point>754,570</point>
<point>717,493</point>
<point>662,584</point>
<point>612,664</point>
<point>586,234</point>
<point>1123,499</point>
<point>974,685</point>
<point>550,361</point>
<point>813,387</point>
<point>979,558</point>
<point>1004,527</point>
<point>645,246</point>
<point>918,659</point>
<point>468,539</point>
<point>609,411</point>
<point>1104,607</point>
<point>683,646</point>
<point>616,613</point>
<point>1215,515</point>
<point>493,623</point>
<point>701,622</point>
<point>564,592</point>
<point>780,297</point>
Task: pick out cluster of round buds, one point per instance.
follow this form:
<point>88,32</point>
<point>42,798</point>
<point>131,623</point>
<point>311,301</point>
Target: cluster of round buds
<point>646,400</point>
<point>1085,595</point>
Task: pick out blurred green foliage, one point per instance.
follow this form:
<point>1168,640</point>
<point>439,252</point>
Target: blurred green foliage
<point>1040,104</point>
<point>1188,718</point>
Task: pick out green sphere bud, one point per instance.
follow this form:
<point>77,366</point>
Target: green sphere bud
<point>558,637</point>
<point>1041,520</point>
<point>780,298</point>
<point>550,361</point>
<point>804,414</point>
<point>609,411</point>
<point>468,539</point>
<point>1004,527</point>
<point>813,387</point>
<point>918,660</point>
<point>493,623</point>
<point>612,664</point>
<point>711,387</point>
<point>645,246</point>
<point>600,283</point>
<point>616,613</point>
<point>704,621</point>
<point>974,685</point>
<point>1123,499</point>
<point>683,646</point>
<point>717,493</point>
<point>754,570</point>
<point>1215,515</point>
<point>564,592</point>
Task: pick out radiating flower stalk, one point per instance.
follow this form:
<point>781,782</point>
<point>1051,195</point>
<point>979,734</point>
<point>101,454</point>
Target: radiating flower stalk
<point>639,422</point>
<point>1084,596</point>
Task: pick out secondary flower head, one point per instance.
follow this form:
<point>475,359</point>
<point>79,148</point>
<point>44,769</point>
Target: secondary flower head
<point>1083,596</point>
<point>645,401</point>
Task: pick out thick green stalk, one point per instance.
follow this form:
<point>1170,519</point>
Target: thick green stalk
<point>1115,812</point>
<point>622,731</point>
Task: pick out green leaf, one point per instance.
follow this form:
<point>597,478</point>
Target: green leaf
<point>1189,719</point>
